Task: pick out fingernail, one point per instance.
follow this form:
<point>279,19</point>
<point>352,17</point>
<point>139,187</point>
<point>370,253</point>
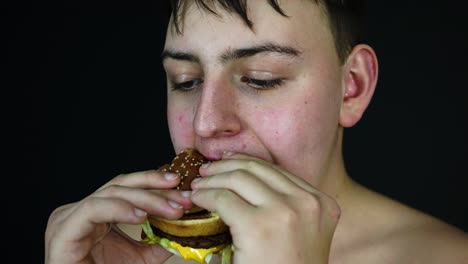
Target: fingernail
<point>174,204</point>
<point>170,176</point>
<point>227,154</point>
<point>185,194</point>
<point>206,165</point>
<point>196,180</point>
<point>139,213</point>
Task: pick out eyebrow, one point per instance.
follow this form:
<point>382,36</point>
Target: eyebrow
<point>177,55</point>
<point>235,54</point>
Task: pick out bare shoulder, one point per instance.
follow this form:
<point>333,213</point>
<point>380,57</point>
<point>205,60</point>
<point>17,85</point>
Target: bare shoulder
<point>426,239</point>
<point>386,231</point>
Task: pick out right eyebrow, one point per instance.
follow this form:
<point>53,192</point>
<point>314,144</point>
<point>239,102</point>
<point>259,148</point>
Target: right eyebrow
<point>183,56</point>
<point>235,54</point>
<point>269,47</point>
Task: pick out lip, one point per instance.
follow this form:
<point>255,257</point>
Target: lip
<point>212,155</point>
<point>216,155</point>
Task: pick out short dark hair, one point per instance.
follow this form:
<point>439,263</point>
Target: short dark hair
<point>345,18</point>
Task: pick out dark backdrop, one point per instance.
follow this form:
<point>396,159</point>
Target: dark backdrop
<point>89,103</point>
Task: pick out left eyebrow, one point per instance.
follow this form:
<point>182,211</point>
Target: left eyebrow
<point>236,54</point>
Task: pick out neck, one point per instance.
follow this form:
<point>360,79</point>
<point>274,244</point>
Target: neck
<point>352,198</point>
<point>336,180</point>
<point>341,187</point>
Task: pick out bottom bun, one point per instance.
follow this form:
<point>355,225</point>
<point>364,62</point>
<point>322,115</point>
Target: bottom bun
<point>201,255</point>
<point>197,224</point>
<point>196,241</point>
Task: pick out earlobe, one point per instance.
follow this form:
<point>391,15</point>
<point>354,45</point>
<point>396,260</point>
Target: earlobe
<point>360,79</point>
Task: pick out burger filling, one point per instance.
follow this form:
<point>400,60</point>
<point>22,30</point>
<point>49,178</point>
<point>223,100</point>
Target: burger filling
<point>200,248</point>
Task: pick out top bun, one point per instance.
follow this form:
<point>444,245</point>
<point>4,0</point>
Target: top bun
<point>186,164</point>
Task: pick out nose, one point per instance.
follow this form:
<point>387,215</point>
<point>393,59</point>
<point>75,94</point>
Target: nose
<point>217,112</point>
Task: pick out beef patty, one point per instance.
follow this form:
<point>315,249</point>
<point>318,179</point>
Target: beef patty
<point>194,242</point>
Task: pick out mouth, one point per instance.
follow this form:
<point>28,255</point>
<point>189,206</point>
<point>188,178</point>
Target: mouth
<point>212,155</point>
<point>216,154</point>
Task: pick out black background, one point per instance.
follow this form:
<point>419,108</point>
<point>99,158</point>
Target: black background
<point>84,91</point>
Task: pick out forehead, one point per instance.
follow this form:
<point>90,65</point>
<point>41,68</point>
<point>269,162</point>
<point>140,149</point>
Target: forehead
<point>304,28</point>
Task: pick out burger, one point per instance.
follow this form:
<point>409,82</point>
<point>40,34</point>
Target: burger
<point>199,233</point>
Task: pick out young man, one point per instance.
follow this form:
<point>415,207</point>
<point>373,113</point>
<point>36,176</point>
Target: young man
<point>265,94</point>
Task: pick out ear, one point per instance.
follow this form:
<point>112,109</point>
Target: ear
<point>360,79</point>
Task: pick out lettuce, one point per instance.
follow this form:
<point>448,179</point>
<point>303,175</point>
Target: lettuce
<point>226,254</point>
<point>150,238</point>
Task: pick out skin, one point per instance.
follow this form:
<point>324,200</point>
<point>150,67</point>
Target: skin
<point>277,177</point>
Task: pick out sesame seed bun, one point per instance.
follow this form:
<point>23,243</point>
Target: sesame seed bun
<point>202,231</point>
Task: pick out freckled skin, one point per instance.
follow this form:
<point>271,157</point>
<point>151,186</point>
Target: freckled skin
<point>178,128</point>
<point>295,122</point>
<point>287,132</point>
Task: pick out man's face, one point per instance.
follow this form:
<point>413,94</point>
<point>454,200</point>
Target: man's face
<point>273,93</point>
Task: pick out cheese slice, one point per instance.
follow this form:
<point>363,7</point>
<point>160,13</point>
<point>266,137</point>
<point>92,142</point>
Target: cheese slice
<point>198,254</point>
<point>202,255</point>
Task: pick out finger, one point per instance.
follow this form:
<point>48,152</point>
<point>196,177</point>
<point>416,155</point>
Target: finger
<point>151,179</point>
<point>56,218</point>
<point>180,197</point>
<point>270,176</point>
<point>243,183</point>
<point>231,208</point>
<point>168,204</point>
<point>95,211</point>
<point>62,212</point>
<point>296,180</point>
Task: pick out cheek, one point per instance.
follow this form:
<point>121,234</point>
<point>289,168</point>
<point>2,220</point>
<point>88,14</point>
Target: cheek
<point>298,135</point>
<point>280,128</point>
<point>180,128</point>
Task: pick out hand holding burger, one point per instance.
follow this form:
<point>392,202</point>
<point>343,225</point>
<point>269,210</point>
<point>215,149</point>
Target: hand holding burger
<point>273,215</point>
<point>199,233</point>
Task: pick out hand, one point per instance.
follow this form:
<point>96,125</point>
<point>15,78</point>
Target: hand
<point>273,216</point>
<point>80,232</point>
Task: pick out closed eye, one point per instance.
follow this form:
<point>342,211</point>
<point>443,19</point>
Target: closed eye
<point>261,84</point>
<point>187,85</point>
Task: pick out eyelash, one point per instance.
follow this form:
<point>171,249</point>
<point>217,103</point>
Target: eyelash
<point>262,84</point>
<point>188,85</point>
<point>256,84</point>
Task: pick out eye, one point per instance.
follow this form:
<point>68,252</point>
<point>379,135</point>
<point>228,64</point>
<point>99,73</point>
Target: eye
<point>261,84</point>
<point>187,85</point>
